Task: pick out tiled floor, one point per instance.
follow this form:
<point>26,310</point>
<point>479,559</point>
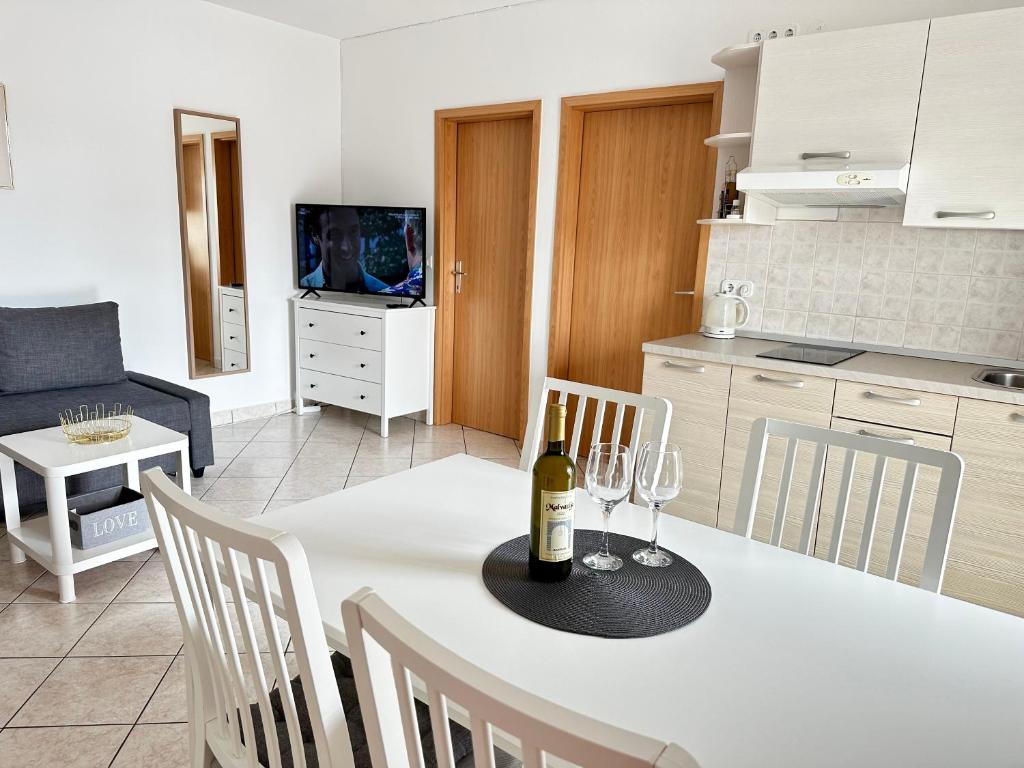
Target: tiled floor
<point>100,682</point>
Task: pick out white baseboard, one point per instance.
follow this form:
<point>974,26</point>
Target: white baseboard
<point>261,411</point>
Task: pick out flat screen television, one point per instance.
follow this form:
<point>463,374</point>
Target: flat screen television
<point>361,249</point>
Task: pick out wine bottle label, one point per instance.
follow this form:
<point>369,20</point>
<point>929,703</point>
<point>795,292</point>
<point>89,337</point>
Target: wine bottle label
<point>557,509</point>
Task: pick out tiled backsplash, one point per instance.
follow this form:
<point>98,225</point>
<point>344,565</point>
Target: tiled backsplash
<point>868,279</point>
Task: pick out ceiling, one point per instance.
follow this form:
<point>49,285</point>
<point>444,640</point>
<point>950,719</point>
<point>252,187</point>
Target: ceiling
<point>351,18</point>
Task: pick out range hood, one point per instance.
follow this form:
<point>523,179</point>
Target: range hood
<point>850,185</point>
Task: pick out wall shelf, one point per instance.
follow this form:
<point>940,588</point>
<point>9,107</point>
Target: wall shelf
<point>736,56</point>
<point>729,139</point>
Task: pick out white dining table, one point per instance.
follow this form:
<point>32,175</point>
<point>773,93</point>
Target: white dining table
<point>796,662</point>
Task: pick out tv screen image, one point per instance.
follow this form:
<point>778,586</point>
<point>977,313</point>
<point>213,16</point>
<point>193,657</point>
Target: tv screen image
<point>361,249</point>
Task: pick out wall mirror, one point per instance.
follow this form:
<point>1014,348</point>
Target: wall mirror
<point>209,153</point>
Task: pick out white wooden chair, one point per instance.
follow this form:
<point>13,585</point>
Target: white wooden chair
<point>657,408</point>
<point>949,465</point>
<point>201,550</point>
<point>541,727</point>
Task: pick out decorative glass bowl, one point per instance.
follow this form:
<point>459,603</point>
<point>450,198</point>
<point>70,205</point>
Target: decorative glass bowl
<point>98,425</point>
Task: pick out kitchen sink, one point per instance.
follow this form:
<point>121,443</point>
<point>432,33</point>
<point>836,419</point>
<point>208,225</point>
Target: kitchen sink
<point>1001,377</point>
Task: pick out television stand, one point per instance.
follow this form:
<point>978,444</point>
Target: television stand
<point>310,291</point>
<point>408,306</point>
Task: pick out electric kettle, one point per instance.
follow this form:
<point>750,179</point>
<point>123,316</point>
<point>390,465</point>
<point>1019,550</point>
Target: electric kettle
<point>723,314</point>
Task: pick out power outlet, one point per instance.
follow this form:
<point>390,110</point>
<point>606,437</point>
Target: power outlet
<point>742,288</point>
<point>773,32</point>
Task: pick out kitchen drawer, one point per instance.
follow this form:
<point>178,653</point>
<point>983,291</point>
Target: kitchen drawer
<point>986,552</point>
<point>342,391</point>
<point>921,511</point>
<point>353,362</point>
<point>791,397</point>
<point>907,408</point>
<point>233,337</point>
<point>235,361</point>
<point>340,328</point>
<point>232,310</point>
<point>699,393</point>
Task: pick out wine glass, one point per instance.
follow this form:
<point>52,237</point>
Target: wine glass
<point>609,477</point>
<point>659,477</point>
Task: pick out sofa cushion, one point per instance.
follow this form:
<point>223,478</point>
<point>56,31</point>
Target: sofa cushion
<point>45,348</point>
<point>36,410</point>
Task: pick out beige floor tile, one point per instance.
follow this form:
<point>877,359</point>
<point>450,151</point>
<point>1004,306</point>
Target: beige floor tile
<point>397,447</point>
<point>132,629</point>
<point>329,451</point>
<point>201,485</point>
<point>343,434</point>
<point>242,508</point>
<point>18,680</point>
<point>448,433</point>
<point>242,489</point>
<point>94,692</point>
<point>373,466</point>
<point>44,630</point>
<point>155,746</point>
<point>275,433</point>
<point>282,449</point>
<point>488,446</point>
<point>253,467</point>
<point>97,585</point>
<point>514,463</point>
<point>436,450</point>
<point>335,415</point>
<point>67,747</point>
<point>314,465</point>
<point>15,578</point>
<point>353,481</point>
<point>149,585</point>
<point>280,504</point>
<point>140,557</point>
<point>168,704</point>
<point>301,487</point>
<point>397,427</point>
<point>227,449</point>
<point>243,431</point>
<point>215,469</point>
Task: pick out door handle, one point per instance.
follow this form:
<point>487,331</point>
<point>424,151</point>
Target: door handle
<point>684,293</point>
<point>844,155</point>
<point>965,215</point>
<point>459,274</point>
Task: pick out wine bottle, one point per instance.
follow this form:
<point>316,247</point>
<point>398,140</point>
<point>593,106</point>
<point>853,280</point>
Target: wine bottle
<point>554,505</point>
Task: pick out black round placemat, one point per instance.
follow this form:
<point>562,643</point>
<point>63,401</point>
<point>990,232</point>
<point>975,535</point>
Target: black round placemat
<point>634,601</point>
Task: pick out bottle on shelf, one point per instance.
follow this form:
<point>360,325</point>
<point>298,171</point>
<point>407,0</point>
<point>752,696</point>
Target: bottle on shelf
<point>731,192</point>
<point>553,505</point>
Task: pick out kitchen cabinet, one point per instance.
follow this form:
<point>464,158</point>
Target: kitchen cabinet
<point>921,511</point>
<point>967,164</point>
<point>699,393</point>
<point>755,393</point>
<point>986,552</point>
<point>852,91</point>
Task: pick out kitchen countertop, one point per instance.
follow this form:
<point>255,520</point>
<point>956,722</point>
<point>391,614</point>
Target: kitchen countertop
<point>924,374</point>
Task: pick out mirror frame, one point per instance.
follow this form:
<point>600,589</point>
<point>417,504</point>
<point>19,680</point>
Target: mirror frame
<point>183,236</point>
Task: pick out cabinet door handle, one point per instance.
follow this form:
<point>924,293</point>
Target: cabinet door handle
<point>794,383</point>
<point>894,438</point>
<point>230,309</point>
<point>362,397</point>
<point>362,333</point>
<point>312,355</point>
<point>911,401</point>
<point>965,214</point>
<point>842,155</point>
<point>234,365</point>
<point>684,367</point>
<point>232,338</point>
<point>311,325</point>
<point>312,386</point>
<point>1017,417</point>
<point>362,365</point>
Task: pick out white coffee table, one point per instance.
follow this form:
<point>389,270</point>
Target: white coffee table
<point>47,540</point>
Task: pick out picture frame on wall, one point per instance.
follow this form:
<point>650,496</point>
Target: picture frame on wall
<point>6,171</point>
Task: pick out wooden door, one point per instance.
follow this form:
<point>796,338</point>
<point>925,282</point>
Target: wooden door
<point>966,151</point>
<point>200,296</point>
<point>642,189</point>
<point>852,90</point>
<point>492,212</point>
<point>229,209</point>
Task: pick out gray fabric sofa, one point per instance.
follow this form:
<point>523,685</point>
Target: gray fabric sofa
<point>55,358</point>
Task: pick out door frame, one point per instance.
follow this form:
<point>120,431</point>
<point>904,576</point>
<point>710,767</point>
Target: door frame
<point>570,164</point>
<point>446,126</point>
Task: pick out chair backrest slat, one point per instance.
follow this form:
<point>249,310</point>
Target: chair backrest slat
<point>657,409</point>
<point>407,711</point>
<point>540,727</point>
<point>222,572</point>
<point>850,446</point>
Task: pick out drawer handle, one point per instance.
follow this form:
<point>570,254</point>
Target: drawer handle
<point>311,325</point>
<point>911,401</point>
<point>232,338</point>
<point>312,386</point>
<point>894,438</point>
<point>794,383</point>
<point>845,155</point>
<point>684,367</point>
<point>362,397</point>
<point>362,365</point>
<point>234,365</point>
<point>965,214</point>
<point>362,333</point>
<point>231,309</point>
<point>1017,417</point>
<point>312,355</point>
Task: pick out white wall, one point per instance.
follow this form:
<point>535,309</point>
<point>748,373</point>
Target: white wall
<point>393,81</point>
<point>94,215</point>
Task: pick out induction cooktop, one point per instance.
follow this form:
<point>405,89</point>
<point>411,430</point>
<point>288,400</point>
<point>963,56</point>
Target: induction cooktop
<point>811,353</point>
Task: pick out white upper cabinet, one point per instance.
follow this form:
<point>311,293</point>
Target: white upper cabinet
<point>968,165</point>
<point>852,91</point>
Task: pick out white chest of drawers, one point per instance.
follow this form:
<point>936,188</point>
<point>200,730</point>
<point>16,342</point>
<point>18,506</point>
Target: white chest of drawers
<point>234,352</point>
<point>359,354</point>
